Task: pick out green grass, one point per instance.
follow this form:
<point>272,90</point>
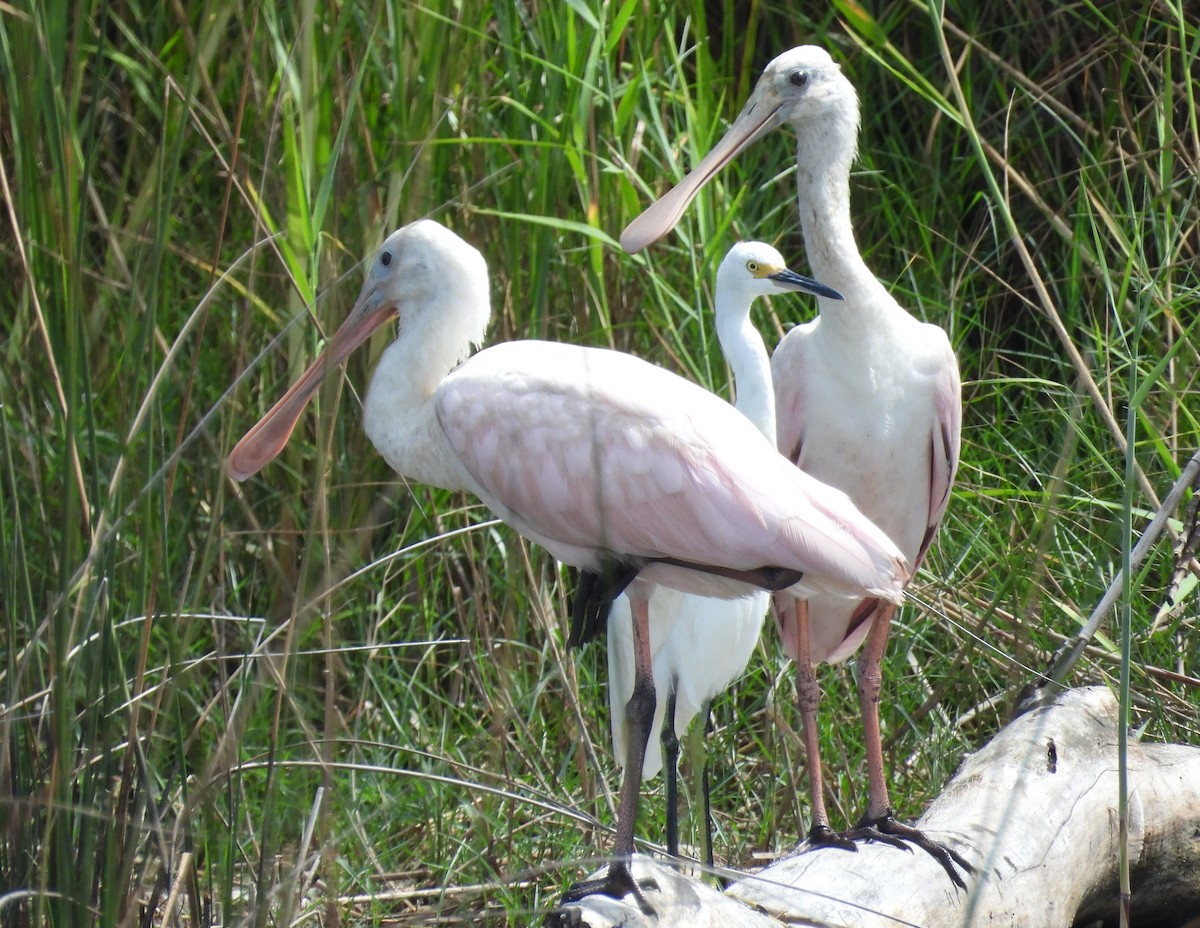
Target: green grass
<point>329,695</point>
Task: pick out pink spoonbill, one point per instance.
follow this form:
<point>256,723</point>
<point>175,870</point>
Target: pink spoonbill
<point>632,474</point>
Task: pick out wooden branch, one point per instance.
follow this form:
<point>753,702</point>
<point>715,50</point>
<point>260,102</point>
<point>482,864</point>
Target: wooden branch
<point>1035,811</point>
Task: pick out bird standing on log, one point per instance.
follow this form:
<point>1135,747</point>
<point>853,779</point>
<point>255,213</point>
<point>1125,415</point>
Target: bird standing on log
<point>868,399</point>
<point>630,473</point>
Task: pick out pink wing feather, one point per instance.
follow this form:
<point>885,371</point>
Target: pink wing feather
<point>599,450</point>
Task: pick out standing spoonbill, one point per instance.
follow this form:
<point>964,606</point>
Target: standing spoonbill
<point>868,400</point>
<point>615,466</point>
<point>700,645</point>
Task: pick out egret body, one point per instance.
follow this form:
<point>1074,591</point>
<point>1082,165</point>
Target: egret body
<point>700,645</point>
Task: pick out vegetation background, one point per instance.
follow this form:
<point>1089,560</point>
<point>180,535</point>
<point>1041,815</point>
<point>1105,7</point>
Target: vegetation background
<point>330,697</point>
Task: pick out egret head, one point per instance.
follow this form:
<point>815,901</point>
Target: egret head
<point>424,276</point>
<point>804,88</point>
<point>754,269</point>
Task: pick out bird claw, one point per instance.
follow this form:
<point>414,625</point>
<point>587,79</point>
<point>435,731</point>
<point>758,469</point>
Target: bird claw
<point>616,884</point>
<point>886,829</point>
<point>867,830</point>
<point>824,836</point>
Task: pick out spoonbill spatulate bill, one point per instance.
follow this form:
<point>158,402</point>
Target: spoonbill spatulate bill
<point>868,399</point>
<point>612,464</point>
<point>701,645</point>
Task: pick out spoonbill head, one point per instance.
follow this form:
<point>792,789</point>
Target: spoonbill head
<point>804,88</point>
<point>433,284</point>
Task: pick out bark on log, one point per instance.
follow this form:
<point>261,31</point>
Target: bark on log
<point>1035,811</point>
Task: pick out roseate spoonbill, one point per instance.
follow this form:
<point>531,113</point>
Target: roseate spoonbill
<point>700,645</point>
<point>618,467</point>
<point>868,400</point>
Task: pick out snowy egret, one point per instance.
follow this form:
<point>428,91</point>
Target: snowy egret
<point>700,645</point>
<point>868,400</point>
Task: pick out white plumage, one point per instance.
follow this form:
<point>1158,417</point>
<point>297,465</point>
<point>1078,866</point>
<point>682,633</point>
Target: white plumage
<point>701,645</point>
<point>868,398</point>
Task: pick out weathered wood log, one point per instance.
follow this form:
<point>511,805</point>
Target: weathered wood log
<point>1034,811</point>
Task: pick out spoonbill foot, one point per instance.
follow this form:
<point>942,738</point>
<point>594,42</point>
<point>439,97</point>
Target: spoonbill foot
<point>885,828</point>
<point>824,836</point>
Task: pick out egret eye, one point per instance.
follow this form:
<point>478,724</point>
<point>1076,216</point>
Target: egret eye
<point>798,78</point>
<point>385,259</point>
<point>752,267</point>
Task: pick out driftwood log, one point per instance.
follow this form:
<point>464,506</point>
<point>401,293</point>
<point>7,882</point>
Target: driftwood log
<point>1034,811</point>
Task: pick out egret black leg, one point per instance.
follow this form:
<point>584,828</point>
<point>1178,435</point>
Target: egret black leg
<point>706,793</point>
<point>670,745</point>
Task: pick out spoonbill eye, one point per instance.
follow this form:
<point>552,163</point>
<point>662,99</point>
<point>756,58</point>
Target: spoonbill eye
<point>385,258</point>
<point>798,78</point>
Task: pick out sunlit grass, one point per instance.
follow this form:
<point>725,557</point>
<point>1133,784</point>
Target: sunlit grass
<point>330,691</point>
